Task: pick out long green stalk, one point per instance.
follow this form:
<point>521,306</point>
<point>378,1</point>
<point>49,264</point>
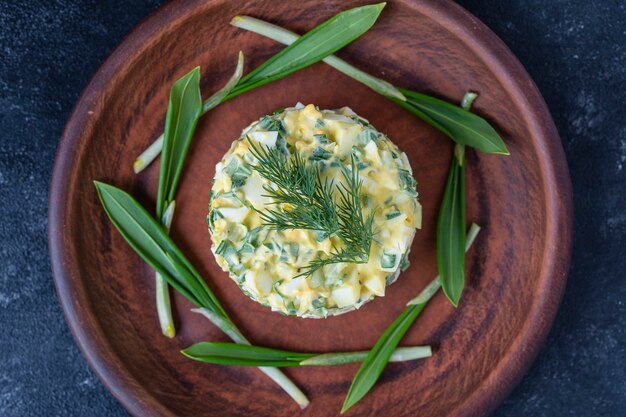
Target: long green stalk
<point>164,309</point>
<point>401,354</point>
<point>184,109</point>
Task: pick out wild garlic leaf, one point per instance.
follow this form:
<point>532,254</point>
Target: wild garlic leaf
<point>314,46</point>
<point>185,107</point>
<point>150,241</point>
<point>459,124</point>
<point>287,37</point>
<point>183,111</point>
<point>451,238</point>
<point>377,358</point>
<point>379,355</point>
<point>451,234</point>
<point>246,355</point>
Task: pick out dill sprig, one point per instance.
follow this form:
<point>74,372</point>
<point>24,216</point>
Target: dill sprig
<point>303,200</point>
<point>354,231</point>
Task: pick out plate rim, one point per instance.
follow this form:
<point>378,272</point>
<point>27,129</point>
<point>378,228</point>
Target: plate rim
<point>505,66</point>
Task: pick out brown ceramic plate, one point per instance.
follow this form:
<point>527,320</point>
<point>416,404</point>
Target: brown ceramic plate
<point>516,270</point>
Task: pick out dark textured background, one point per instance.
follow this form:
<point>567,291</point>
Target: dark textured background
<point>574,50</point>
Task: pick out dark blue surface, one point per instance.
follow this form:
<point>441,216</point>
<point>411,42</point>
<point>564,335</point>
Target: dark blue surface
<point>574,50</point>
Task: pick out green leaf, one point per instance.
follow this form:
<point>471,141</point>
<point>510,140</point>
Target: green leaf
<point>150,240</point>
<point>451,238</point>
<point>287,37</point>
<point>430,290</point>
<point>459,124</point>
<point>245,355</point>
<point>185,107</point>
<point>379,355</point>
<point>451,234</point>
<point>312,47</point>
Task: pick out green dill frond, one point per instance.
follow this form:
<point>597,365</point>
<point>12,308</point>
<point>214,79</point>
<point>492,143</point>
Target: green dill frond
<point>301,199</point>
<point>355,231</point>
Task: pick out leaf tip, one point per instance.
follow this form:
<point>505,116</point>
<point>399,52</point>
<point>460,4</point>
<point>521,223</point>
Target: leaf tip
<point>189,352</point>
<point>499,147</point>
<point>235,20</point>
<point>377,7</point>
<point>454,299</point>
<point>501,150</point>
<point>347,404</point>
<point>100,186</point>
<point>400,96</point>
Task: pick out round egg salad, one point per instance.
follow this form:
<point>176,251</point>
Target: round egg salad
<point>273,265</point>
